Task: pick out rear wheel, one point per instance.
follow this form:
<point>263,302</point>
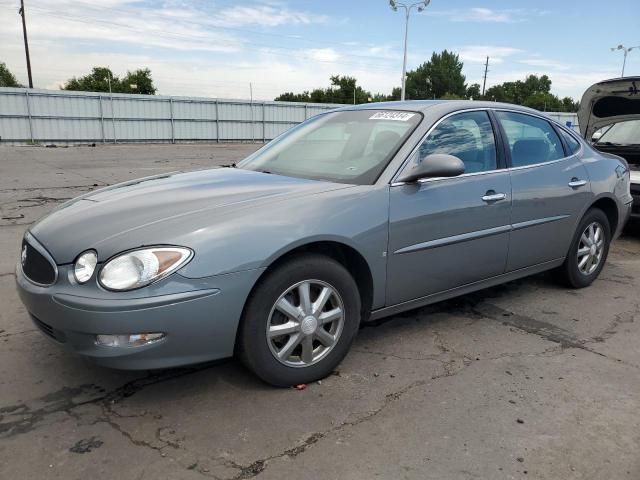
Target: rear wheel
<point>588,251</point>
<point>300,321</point>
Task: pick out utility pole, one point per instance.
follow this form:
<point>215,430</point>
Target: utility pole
<point>486,70</point>
<point>26,43</point>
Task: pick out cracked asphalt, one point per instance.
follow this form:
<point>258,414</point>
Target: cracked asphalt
<point>524,380</point>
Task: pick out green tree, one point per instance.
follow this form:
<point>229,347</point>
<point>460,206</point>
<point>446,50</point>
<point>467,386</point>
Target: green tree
<point>7,79</point>
<point>343,89</point>
<point>473,91</point>
<point>439,77</point>
<point>534,92</point>
<point>138,81</point>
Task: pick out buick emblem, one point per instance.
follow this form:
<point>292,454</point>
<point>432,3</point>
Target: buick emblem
<point>23,256</point>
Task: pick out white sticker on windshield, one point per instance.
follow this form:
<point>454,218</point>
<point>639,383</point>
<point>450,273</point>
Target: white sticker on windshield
<point>398,116</point>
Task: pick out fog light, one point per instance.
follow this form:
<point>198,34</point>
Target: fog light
<point>136,340</point>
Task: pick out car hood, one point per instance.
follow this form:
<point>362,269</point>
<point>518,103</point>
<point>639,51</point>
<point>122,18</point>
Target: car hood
<point>609,102</point>
<point>108,215</point>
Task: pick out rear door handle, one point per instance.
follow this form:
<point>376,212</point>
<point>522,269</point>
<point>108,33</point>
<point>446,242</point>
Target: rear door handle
<point>576,183</point>
<point>492,196</point>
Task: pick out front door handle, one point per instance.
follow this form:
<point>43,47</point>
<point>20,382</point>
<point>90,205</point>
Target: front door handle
<point>576,183</point>
<point>492,196</point>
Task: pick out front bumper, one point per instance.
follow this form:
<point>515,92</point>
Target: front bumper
<point>199,317</point>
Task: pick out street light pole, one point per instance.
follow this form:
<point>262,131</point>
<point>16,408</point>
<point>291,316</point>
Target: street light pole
<point>420,6</point>
<point>625,51</point>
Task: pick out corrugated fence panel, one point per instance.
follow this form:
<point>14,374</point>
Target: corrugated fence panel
<point>49,130</point>
<point>138,131</point>
<point>76,117</point>
<point>14,129</point>
<point>191,131</point>
<point>141,108</point>
<point>13,105</point>
<point>194,110</point>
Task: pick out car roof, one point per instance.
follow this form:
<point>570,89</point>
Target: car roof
<point>441,106</point>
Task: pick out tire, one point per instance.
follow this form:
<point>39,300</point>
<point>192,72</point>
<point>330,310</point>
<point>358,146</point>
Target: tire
<point>271,357</point>
<point>575,272</point>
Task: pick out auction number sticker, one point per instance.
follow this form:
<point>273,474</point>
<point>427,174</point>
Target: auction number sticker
<point>397,116</point>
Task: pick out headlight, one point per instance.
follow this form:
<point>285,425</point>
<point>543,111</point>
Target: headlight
<point>139,268</point>
<point>85,266</point>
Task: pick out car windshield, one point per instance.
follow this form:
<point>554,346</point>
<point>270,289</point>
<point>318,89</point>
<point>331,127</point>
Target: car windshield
<point>351,146</point>
<point>623,133</point>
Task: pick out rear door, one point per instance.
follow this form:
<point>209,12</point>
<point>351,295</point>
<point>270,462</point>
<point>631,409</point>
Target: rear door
<point>448,232</point>
<point>550,188</point>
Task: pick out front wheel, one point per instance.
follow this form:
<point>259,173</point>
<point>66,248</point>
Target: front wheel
<point>588,251</point>
<point>300,321</point>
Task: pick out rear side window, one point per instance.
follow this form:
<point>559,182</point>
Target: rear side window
<point>571,142</point>
<point>531,140</point>
<point>468,136</point>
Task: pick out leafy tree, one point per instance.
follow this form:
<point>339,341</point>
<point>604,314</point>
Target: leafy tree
<point>7,79</point>
<point>534,92</point>
<point>440,76</point>
<point>138,81</point>
<point>473,91</point>
<point>343,89</point>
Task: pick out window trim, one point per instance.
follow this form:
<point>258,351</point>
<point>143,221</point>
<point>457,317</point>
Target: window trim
<point>506,142</point>
<point>507,166</point>
<point>571,134</point>
<point>500,162</point>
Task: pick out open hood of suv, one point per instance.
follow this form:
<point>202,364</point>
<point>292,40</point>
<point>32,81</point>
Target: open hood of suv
<point>609,102</point>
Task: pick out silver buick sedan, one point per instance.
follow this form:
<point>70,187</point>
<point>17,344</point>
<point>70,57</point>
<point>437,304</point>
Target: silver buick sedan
<point>353,215</point>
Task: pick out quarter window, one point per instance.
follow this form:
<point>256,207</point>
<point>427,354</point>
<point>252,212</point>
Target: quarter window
<point>531,140</point>
<point>571,142</point>
<point>468,136</point>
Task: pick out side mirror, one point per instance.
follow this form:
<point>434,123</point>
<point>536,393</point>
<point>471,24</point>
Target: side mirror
<point>596,136</point>
<point>434,165</point>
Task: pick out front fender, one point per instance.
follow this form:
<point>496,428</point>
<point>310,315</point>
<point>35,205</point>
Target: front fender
<point>255,237</point>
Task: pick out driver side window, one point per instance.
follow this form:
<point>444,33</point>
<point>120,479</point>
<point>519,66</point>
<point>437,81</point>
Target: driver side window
<point>468,136</point>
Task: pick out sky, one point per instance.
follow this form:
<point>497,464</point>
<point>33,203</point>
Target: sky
<point>218,48</point>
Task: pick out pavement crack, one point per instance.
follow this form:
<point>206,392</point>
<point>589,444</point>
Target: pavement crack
<point>545,330</point>
<point>258,466</point>
<point>13,334</point>
<point>20,418</point>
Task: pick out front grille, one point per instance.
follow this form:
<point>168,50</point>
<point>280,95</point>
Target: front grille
<point>49,330</point>
<point>36,266</point>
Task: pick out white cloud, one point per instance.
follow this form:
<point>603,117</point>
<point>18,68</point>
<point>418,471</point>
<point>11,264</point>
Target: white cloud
<point>545,63</point>
<point>266,16</point>
<point>488,15</point>
<point>479,53</point>
<point>322,54</point>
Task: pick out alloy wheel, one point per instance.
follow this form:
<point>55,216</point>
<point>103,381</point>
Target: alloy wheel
<point>305,323</point>
<point>590,248</point>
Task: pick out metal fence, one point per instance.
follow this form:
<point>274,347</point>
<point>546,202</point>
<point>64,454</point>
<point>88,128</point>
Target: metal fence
<point>49,116</point>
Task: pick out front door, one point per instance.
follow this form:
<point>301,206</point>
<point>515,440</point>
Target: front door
<point>449,232</point>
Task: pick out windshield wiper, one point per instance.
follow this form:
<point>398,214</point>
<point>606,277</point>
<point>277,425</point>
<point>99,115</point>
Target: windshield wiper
<point>229,165</point>
<point>612,144</point>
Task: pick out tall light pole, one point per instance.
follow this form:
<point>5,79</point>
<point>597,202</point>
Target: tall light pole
<point>626,51</point>
<point>420,6</point>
